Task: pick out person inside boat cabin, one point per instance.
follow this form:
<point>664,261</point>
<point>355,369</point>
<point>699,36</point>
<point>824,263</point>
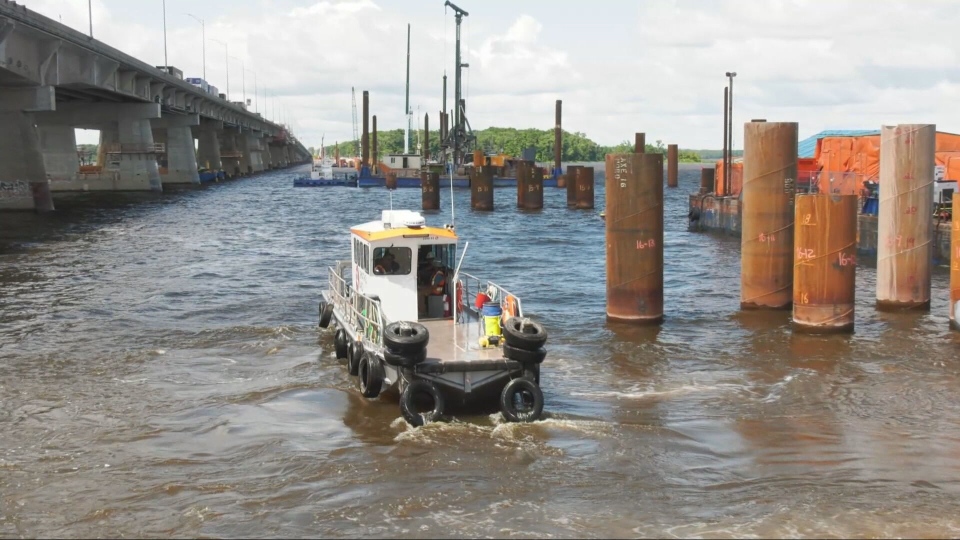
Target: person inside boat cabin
<point>424,266</point>
<point>387,264</point>
<point>432,280</point>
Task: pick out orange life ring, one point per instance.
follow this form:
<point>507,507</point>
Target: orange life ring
<point>509,307</point>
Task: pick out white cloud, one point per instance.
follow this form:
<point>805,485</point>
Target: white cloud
<point>653,66</point>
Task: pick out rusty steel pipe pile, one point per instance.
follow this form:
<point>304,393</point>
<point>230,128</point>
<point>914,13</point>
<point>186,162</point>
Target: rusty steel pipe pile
<point>584,198</point>
<point>673,155</point>
<point>426,138</point>
<point>634,238</point>
<point>904,224</point>
<point>373,146</point>
<point>522,179</point>
<point>571,184</point>
<point>725,173</point>
<point>481,188</point>
<point>557,143</point>
<point>955,264</point>
<point>430,190</point>
<point>365,137</point>
<point>707,178</point>
<point>529,186</point>
<point>825,263</point>
<point>769,188</point>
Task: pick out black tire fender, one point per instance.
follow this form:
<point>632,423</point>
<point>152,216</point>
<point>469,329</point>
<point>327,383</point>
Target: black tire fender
<point>524,333</point>
<point>524,356</point>
<point>340,343</point>
<point>326,313</point>
<point>370,375</point>
<point>404,360</point>
<point>406,337</point>
<point>354,353</point>
<point>415,390</point>
<point>529,393</point>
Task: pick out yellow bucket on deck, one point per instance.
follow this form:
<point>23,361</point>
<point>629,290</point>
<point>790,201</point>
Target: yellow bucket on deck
<point>491,318</point>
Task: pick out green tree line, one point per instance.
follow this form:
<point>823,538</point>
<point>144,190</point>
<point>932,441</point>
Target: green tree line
<point>511,141</point>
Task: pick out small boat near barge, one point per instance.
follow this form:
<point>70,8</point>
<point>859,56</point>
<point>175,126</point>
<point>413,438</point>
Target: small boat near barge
<point>324,172</point>
<point>402,323</point>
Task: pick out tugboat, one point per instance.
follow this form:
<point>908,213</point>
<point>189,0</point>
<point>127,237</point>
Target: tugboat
<point>398,328</point>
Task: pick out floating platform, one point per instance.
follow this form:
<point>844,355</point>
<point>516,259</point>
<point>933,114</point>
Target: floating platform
<point>408,182</point>
<point>458,182</point>
<point>212,176</point>
<point>723,215</point>
<point>323,182</point>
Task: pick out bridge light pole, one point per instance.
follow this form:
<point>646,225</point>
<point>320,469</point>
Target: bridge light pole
<point>256,98</point>
<point>226,61</point>
<point>203,33</point>
<point>90,14</point>
<point>165,61</point>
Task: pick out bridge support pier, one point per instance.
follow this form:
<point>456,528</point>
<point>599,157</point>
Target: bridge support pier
<point>276,156</point>
<point>23,177</point>
<point>254,150</point>
<point>128,156</point>
<point>208,145</point>
<point>135,154</point>
<point>230,154</point>
<point>181,157</point>
<point>58,144</point>
<point>246,160</point>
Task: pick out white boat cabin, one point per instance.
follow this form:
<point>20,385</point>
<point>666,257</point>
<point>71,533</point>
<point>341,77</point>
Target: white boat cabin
<point>326,169</point>
<point>406,264</point>
<point>403,161</point>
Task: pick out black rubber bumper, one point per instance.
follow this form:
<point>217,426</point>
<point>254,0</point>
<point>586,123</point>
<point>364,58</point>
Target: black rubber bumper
<point>437,368</point>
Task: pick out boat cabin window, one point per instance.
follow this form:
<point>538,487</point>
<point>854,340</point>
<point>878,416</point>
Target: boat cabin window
<point>361,255</point>
<point>392,261</point>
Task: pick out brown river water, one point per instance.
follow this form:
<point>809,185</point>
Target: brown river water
<point>161,374</point>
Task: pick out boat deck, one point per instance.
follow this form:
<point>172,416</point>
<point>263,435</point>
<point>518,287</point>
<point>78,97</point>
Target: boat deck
<point>458,343</point>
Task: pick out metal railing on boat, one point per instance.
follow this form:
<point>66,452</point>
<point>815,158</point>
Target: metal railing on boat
<point>362,311</point>
<point>471,286</point>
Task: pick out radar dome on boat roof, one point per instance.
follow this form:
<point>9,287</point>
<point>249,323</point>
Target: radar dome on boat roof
<point>402,218</point>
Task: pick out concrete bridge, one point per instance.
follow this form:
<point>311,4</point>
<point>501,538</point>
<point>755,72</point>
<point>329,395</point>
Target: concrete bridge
<point>54,79</point>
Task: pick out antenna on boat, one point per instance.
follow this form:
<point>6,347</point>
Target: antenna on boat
<point>453,212</point>
<point>406,110</point>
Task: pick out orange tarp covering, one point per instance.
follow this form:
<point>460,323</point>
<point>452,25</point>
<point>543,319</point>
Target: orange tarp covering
<point>861,155</point>
<point>736,173</point>
<point>806,168</point>
<point>858,155</point>
<point>951,162</point>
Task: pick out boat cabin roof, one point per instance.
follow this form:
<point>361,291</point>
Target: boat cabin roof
<point>402,224</point>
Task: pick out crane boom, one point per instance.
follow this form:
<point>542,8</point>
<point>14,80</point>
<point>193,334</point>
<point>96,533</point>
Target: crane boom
<point>460,138</point>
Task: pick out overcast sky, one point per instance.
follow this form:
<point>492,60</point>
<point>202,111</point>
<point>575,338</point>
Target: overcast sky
<point>619,66</point>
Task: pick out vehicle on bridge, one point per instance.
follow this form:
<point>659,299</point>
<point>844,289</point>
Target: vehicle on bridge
<point>409,321</point>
